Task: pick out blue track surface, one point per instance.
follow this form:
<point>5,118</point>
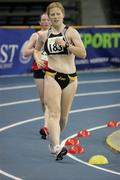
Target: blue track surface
<point>23,155</point>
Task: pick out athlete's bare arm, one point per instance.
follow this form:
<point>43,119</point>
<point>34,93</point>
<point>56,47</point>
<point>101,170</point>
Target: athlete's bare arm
<point>77,46</point>
<point>37,50</point>
<point>29,48</point>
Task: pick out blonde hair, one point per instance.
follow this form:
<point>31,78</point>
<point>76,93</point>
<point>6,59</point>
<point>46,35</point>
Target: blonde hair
<point>55,5</point>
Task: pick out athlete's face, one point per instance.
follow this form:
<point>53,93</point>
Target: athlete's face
<point>56,16</point>
<point>45,22</point>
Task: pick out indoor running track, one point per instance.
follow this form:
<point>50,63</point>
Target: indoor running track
<point>25,156</point>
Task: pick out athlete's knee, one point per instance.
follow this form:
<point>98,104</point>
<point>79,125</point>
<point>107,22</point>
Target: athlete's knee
<point>54,112</point>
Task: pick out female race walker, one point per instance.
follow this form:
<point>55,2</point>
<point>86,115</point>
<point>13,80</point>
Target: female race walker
<point>38,73</point>
<point>62,44</point>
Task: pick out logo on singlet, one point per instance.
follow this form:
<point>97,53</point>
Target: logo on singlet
<point>53,47</point>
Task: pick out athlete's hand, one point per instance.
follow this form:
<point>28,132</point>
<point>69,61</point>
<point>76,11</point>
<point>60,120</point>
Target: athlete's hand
<point>41,64</point>
<point>60,42</point>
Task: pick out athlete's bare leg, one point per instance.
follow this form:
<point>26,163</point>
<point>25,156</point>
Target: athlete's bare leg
<point>58,106</point>
<point>53,104</point>
<point>66,102</point>
<point>40,87</point>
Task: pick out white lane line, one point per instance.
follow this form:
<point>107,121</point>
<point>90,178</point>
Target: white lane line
<point>12,126</point>
<point>17,87</point>
<point>98,93</point>
<point>97,167</point>
<point>99,81</point>
<point>95,108</point>
<point>77,95</point>
<point>73,111</point>
<point>83,162</point>
<point>9,175</point>
<point>20,123</point>
<point>79,82</point>
<point>19,102</point>
<point>97,70</point>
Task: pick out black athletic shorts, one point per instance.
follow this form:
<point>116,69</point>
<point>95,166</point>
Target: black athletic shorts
<point>39,74</point>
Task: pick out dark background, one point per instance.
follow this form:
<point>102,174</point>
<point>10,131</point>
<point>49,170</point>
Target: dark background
<point>78,12</point>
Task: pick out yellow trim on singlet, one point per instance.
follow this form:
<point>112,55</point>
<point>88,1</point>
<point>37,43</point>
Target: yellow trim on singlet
<point>72,78</point>
<point>54,73</point>
<point>51,73</point>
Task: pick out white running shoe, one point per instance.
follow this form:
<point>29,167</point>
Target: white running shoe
<point>54,149</point>
<point>58,151</point>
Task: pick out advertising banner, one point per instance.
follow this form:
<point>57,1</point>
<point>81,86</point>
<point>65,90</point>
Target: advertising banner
<point>12,42</point>
<point>102,46</point>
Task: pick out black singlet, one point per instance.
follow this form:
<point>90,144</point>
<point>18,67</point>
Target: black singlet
<point>51,47</point>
